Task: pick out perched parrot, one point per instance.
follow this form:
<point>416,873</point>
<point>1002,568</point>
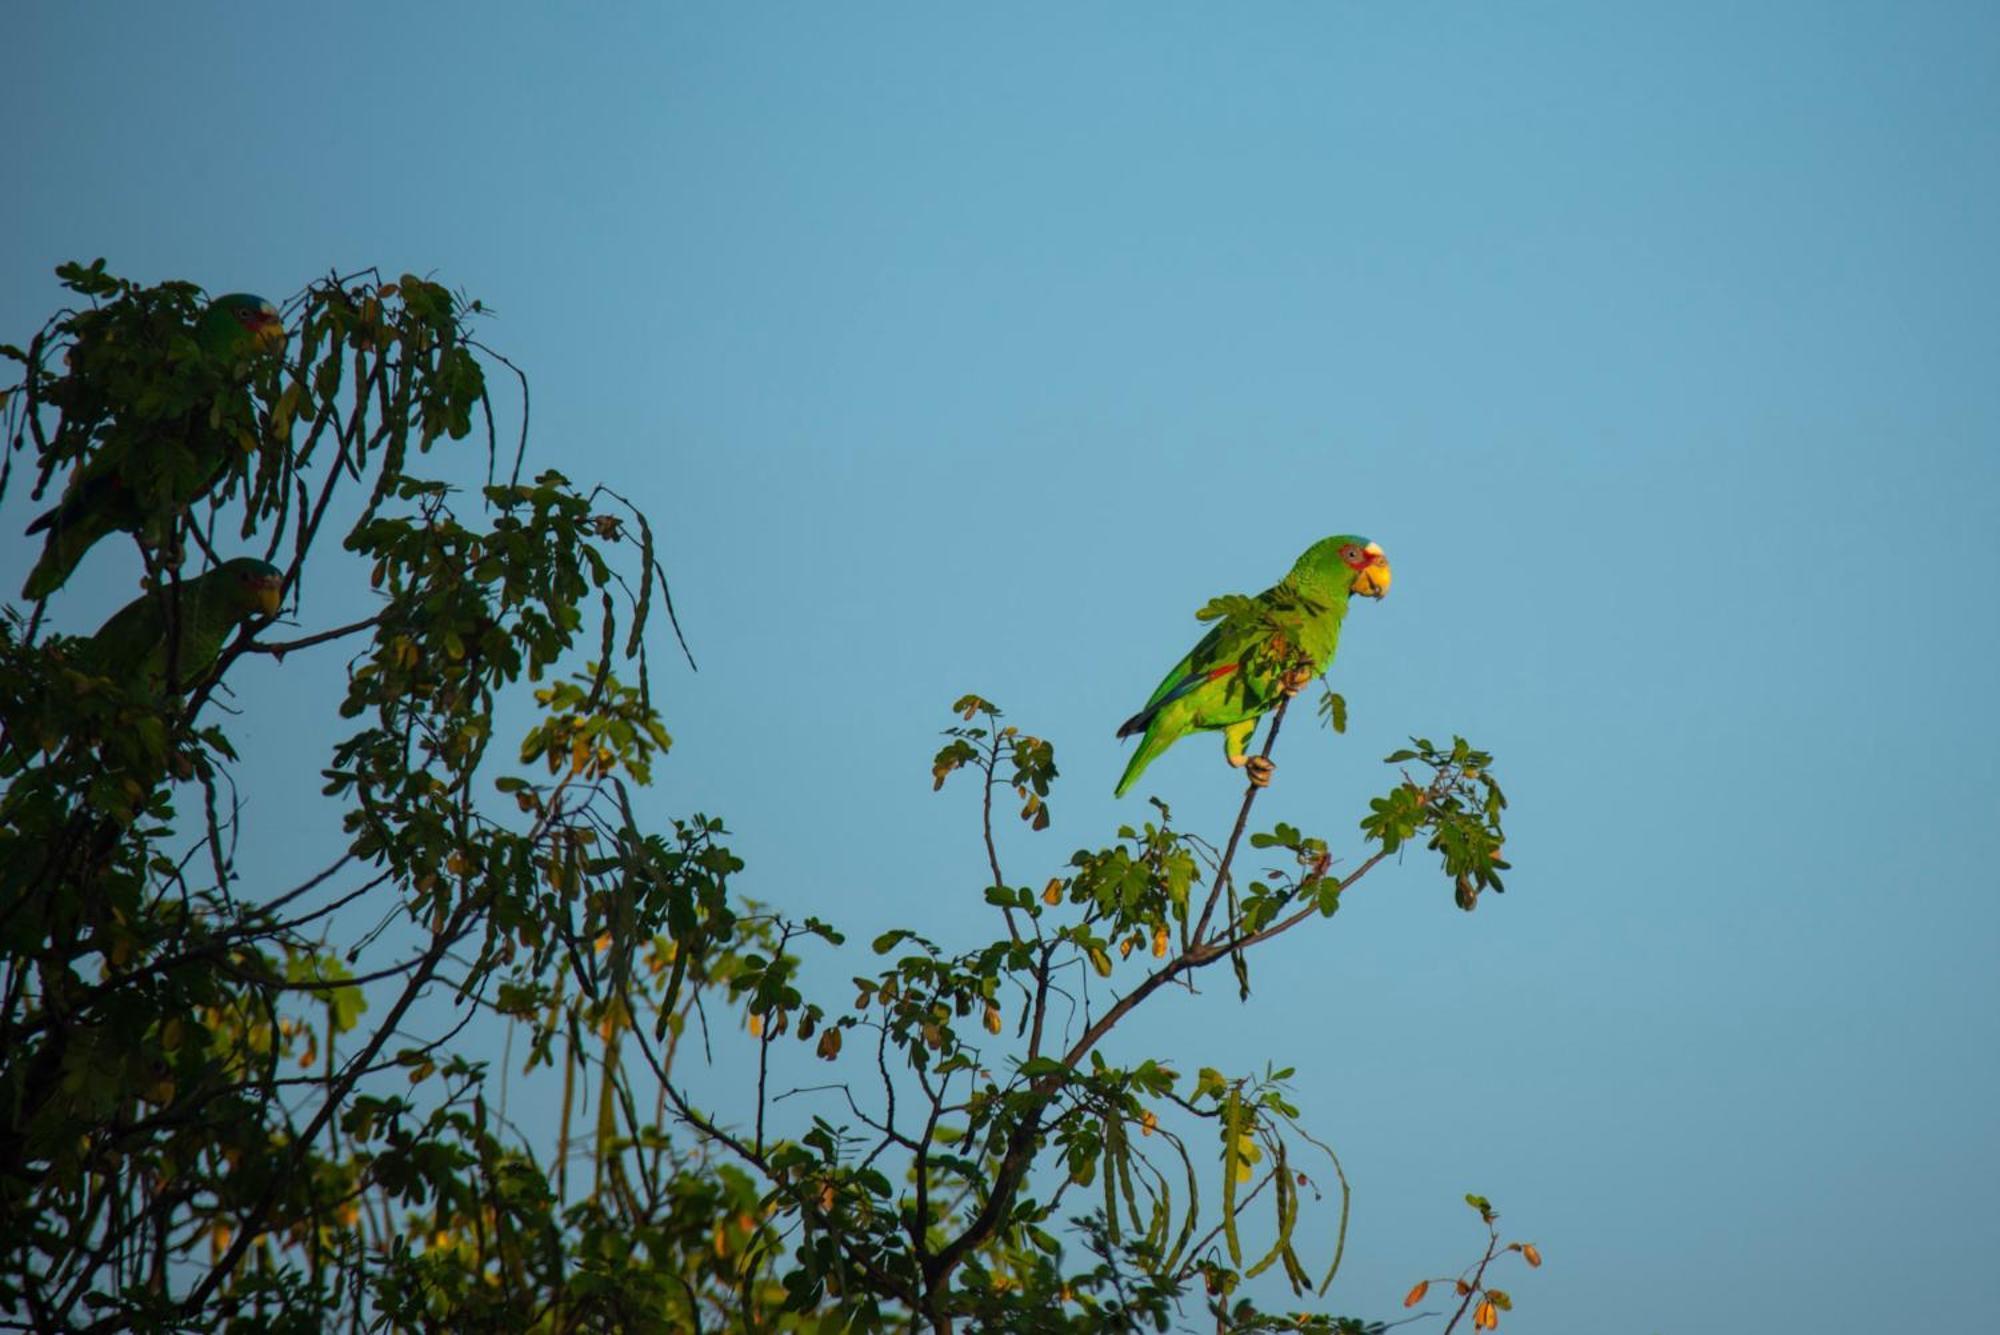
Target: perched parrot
<point>1260,649</point>
<point>99,501</point>
<point>132,645</point>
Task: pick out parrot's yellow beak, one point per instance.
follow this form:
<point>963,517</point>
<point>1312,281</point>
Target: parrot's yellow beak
<point>1372,580</point>
<point>269,595</point>
<point>270,332</point>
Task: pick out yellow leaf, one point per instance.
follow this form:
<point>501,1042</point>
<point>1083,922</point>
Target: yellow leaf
<point>1484,1317</point>
<point>1159,943</point>
<point>1149,1121</point>
<point>992,1019</point>
<point>756,1025</point>
<point>1417,1294</point>
<point>829,1044</point>
<point>1053,894</point>
<point>1125,947</point>
<point>1531,1254</point>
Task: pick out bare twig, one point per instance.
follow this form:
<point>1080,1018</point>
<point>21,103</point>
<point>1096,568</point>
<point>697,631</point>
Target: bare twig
<point>1236,834</point>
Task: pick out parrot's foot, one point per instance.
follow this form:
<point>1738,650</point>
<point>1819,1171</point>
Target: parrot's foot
<point>1295,681</point>
<point>1259,769</point>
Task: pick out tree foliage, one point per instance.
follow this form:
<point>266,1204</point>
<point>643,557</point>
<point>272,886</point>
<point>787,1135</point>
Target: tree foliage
<point>231,1101</point>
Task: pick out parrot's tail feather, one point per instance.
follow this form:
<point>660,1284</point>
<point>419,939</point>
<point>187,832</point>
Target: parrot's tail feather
<point>48,575</point>
<point>1149,749</point>
<point>65,547</point>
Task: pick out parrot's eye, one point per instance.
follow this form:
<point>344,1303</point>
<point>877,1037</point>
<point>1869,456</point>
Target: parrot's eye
<point>1351,555</point>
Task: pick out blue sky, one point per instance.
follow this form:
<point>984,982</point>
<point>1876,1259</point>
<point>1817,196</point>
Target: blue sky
<point>959,349</point>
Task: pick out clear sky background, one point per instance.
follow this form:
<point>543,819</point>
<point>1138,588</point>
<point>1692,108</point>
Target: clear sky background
<point>960,348</point>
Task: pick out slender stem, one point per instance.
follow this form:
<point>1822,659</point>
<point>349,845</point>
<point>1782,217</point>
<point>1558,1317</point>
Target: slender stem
<point>986,824</point>
<point>1236,835</point>
<point>1478,1287</point>
<point>286,647</point>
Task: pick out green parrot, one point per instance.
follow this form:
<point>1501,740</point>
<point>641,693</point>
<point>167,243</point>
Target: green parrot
<point>99,499</point>
<point>1262,648</point>
<point>132,645</point>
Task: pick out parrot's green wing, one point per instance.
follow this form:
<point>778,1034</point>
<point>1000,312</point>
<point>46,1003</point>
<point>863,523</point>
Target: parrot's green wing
<point>133,645</point>
<point>101,499</point>
<point>1208,688</point>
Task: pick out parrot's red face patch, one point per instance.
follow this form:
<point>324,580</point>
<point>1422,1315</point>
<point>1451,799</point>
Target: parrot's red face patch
<point>1370,566</point>
<point>261,321</point>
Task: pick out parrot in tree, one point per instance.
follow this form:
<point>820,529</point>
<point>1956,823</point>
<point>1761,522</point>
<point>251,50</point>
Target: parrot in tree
<point>99,499</point>
<point>1261,649</point>
<point>132,645</point>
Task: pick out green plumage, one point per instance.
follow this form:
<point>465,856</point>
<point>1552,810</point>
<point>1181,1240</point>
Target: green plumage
<point>206,610</point>
<point>1237,673</point>
<point>113,491</point>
